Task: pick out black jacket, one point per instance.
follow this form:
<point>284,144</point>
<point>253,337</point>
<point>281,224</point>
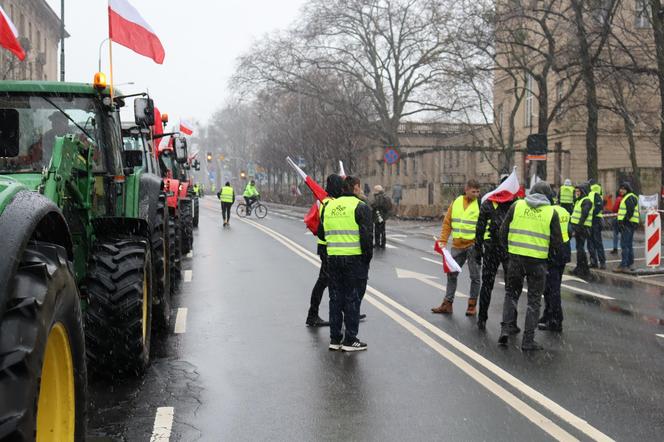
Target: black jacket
<point>364,219</point>
<point>383,204</point>
<point>497,216</point>
<point>555,240</point>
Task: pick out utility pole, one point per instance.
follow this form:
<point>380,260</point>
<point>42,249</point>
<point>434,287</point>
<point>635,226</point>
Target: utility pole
<point>62,40</point>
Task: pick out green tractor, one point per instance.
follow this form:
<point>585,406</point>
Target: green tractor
<point>77,233</point>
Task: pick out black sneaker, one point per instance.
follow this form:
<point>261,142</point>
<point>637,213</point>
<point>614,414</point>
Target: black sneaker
<point>354,345</point>
<point>531,346</point>
<point>502,340</point>
<point>317,321</point>
<point>335,344</point>
<point>512,329</point>
<point>614,252</point>
<point>363,316</point>
<point>481,324</point>
<point>550,326</point>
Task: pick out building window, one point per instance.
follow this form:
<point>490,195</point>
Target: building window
<point>415,166</point>
<point>600,10</point>
<point>499,115</point>
<point>528,108</point>
<point>405,166</point>
<point>641,15</point>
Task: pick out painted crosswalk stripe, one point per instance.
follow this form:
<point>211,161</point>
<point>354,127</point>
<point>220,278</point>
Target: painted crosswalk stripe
<point>163,423</point>
<point>181,321</point>
<point>187,275</point>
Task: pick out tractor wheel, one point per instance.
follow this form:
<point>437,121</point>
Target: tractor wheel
<point>186,208</point>
<point>43,378</point>
<point>118,317</point>
<point>174,253</point>
<point>161,268</point>
<point>196,212</point>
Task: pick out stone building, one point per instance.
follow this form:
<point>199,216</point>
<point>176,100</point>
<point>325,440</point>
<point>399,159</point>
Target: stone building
<point>39,32</point>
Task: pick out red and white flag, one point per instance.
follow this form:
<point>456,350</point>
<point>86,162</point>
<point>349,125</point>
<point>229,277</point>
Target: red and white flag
<point>128,28</point>
<point>186,127</point>
<point>316,188</point>
<point>9,36</point>
<point>507,190</point>
<point>449,264</point>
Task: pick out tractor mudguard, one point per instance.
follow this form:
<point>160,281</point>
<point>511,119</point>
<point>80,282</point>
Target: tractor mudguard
<point>184,188</point>
<point>172,191</point>
<point>150,190</point>
<point>28,216</point>
<point>116,226</point>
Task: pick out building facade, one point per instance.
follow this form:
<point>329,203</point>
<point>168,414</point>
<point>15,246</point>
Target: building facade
<point>39,33</point>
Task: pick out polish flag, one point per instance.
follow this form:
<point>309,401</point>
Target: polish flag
<point>186,127</point>
<point>449,264</point>
<point>507,190</point>
<point>128,28</point>
<point>318,191</point>
<point>9,36</point>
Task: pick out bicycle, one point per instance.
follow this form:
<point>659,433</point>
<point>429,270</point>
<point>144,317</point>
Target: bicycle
<point>257,208</point>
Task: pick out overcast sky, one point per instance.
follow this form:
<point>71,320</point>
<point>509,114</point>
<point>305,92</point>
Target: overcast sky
<point>202,39</point>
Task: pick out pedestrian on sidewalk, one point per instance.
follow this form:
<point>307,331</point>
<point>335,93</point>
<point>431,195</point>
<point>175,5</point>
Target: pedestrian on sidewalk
<point>397,193</point>
<point>629,219</point>
<point>531,233</point>
<point>595,241</point>
<point>347,228</point>
<point>382,207</point>
<point>566,196</point>
<point>333,187</point>
<point>227,197</point>
<point>616,224</point>
<point>489,252</point>
<point>581,221</point>
<point>461,222</point>
<point>552,318</point>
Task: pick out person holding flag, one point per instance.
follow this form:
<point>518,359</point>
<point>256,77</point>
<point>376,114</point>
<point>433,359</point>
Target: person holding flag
<point>460,222</point>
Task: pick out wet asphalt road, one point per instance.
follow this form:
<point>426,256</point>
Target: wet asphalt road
<point>244,367</point>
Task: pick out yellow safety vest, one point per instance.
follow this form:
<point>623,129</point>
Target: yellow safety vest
<point>622,209</point>
<point>226,194</point>
<point>530,230</point>
<point>597,188</point>
<point>566,194</point>
<point>342,232</point>
<point>321,207</point>
<point>464,222</point>
<point>576,214</point>
<point>591,195</point>
<point>564,217</point>
<point>487,233</point>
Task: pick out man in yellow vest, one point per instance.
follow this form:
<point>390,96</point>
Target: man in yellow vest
<point>552,318</point>
<point>628,221</point>
<point>531,232</point>
<point>347,228</point>
<point>461,222</point>
<point>581,221</point>
<point>333,187</point>
<point>595,242</point>
<point>227,197</point>
<point>566,196</point>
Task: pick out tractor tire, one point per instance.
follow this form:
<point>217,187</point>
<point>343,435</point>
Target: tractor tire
<point>174,253</point>
<point>196,212</point>
<point>43,377</point>
<point>159,242</point>
<point>118,317</point>
<point>186,208</point>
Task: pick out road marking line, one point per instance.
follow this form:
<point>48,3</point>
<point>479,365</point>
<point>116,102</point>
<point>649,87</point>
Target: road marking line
<point>395,239</point>
<point>528,391</point>
<point>390,246</point>
<point>181,321</point>
<point>660,336</point>
<point>188,274</point>
<point>576,289</point>
<point>403,274</point>
<point>432,260</point>
<point>397,235</point>
<point>163,422</point>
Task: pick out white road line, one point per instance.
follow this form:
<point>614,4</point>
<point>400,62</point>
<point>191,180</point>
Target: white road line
<point>660,336</point>
<point>432,260</point>
<point>181,321</point>
<point>578,290</point>
<point>390,246</point>
<point>390,238</point>
<point>517,404</point>
<point>163,423</point>
<point>187,275</point>
<point>397,235</point>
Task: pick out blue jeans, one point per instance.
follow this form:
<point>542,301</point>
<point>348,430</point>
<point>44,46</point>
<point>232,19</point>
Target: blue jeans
<point>616,233</point>
<point>347,283</point>
<point>626,245</point>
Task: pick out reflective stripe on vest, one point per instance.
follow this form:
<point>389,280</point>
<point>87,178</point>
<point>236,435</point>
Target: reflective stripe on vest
<point>321,207</point>
<point>226,194</point>
<point>487,232</point>
<point>564,217</point>
<point>566,194</point>
<point>464,221</point>
<point>530,230</point>
<point>576,214</point>
<point>342,232</point>
<point>622,209</point>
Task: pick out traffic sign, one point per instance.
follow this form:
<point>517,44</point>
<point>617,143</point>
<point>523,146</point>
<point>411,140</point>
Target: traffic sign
<point>653,239</point>
<point>391,156</point>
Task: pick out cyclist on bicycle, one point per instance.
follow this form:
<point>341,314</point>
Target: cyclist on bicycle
<point>250,195</point>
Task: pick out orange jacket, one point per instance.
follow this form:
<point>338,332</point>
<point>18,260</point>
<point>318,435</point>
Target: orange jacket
<point>457,243</point>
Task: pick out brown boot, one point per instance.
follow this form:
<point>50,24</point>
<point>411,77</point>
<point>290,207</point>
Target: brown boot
<point>472,307</point>
<point>445,307</point>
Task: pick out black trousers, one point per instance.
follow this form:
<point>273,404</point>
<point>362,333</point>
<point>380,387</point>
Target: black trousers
<point>226,211</point>
<point>494,256</point>
<point>347,283</point>
<point>319,288</point>
<point>379,235</point>
<point>581,234</point>
<point>596,244</point>
<point>534,271</point>
<point>553,310</point>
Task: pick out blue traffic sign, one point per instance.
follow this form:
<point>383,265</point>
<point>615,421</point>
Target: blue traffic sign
<point>391,156</point>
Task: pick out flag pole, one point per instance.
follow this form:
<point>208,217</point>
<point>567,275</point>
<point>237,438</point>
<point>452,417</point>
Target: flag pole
<point>110,56</point>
